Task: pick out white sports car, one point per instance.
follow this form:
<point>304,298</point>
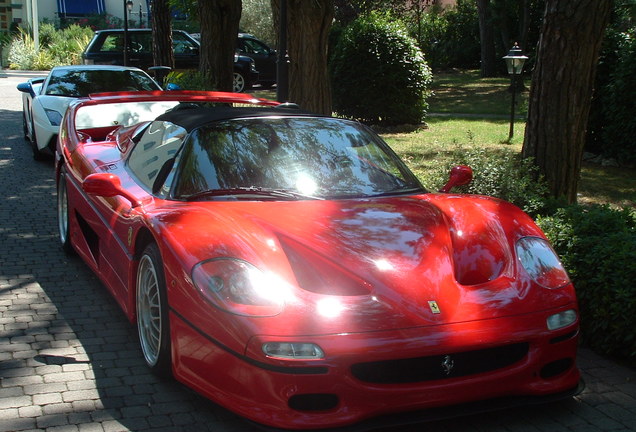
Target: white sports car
<point>45,99</point>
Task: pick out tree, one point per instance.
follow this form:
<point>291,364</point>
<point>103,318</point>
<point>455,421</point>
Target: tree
<point>561,90</point>
<point>308,24</point>
<point>219,26</point>
<point>489,63</point>
<point>162,54</point>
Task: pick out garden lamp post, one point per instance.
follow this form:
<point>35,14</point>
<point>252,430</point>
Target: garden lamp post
<point>128,5</point>
<point>514,60</point>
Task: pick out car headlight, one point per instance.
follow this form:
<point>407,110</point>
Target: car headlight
<point>561,319</point>
<point>55,118</point>
<point>238,287</point>
<point>541,262</point>
<point>293,350</point>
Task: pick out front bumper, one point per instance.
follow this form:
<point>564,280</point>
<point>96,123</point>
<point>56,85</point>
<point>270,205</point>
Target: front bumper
<point>297,394</point>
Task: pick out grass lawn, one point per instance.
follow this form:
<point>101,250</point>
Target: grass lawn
<point>463,92</point>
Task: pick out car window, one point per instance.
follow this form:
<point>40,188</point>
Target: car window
<point>251,46</point>
<point>119,114</point>
<point>313,156</point>
<point>81,83</point>
<point>141,42</point>
<point>113,43</point>
<point>159,143</point>
<point>182,45</point>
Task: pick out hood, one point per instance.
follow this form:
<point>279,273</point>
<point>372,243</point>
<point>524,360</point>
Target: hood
<point>379,264</point>
<point>57,103</point>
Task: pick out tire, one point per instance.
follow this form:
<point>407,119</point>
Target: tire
<point>37,154</point>
<point>25,129</point>
<point>62,214</point>
<point>239,83</point>
<point>152,312</point>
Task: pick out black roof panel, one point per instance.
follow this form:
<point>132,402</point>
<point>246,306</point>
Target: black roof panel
<point>192,117</point>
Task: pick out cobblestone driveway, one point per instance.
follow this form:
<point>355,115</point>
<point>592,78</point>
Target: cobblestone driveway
<point>69,360</point>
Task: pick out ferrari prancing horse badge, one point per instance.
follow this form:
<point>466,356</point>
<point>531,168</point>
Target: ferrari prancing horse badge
<point>434,307</point>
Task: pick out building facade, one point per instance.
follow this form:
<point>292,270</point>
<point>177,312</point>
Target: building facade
<point>22,12</point>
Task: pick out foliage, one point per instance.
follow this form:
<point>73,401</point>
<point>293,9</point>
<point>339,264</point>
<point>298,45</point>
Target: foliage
<point>449,37</point>
<point>95,22</point>
<point>257,19</point>
<point>597,245</point>
<point>612,125</point>
<point>190,80</point>
<point>502,174</point>
<point>57,47</point>
<point>22,52</point>
<point>378,74</point>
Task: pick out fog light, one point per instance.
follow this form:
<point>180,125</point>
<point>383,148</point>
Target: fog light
<point>289,350</point>
<point>561,319</point>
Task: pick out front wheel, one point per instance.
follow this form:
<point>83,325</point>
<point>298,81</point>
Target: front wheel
<point>152,312</point>
<point>238,83</point>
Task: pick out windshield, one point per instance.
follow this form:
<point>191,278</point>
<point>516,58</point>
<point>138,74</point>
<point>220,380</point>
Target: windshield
<point>81,83</point>
<point>312,157</point>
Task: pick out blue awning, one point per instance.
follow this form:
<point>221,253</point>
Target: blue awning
<point>72,8</point>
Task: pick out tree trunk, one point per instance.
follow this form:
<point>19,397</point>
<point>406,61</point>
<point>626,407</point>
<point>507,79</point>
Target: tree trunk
<point>561,90</point>
<point>308,25</point>
<point>487,40</point>
<point>219,28</point>
<point>162,54</point>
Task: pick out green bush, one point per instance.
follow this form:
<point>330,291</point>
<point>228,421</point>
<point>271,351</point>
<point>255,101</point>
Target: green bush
<point>598,248</point>
<point>612,125</point>
<point>190,80</point>
<point>57,47</point>
<point>379,76</point>
<point>502,174</point>
<point>449,37</point>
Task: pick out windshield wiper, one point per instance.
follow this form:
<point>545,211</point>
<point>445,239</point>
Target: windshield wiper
<point>400,191</point>
<point>251,190</point>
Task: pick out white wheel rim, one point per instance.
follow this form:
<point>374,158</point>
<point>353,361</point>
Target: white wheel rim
<point>148,310</point>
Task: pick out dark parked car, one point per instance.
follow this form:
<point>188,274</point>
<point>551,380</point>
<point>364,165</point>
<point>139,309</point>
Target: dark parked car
<point>106,47</point>
<point>264,56</point>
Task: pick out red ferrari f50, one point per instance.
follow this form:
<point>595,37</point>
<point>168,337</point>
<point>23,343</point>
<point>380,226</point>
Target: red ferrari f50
<point>291,268</point>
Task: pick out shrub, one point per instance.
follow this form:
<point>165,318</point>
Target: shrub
<point>612,125</point>
<point>57,47</point>
<point>502,174</point>
<point>379,75</point>
<point>598,247</point>
<point>449,37</point>
<point>190,80</point>
<point>21,51</point>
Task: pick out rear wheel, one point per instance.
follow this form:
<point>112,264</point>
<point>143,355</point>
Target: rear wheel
<point>152,311</point>
<point>62,214</point>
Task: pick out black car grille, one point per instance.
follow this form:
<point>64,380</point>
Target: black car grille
<point>440,367</point>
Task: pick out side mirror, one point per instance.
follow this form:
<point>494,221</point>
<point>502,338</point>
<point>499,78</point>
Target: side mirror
<point>107,185</point>
<point>460,175</point>
<point>26,87</point>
